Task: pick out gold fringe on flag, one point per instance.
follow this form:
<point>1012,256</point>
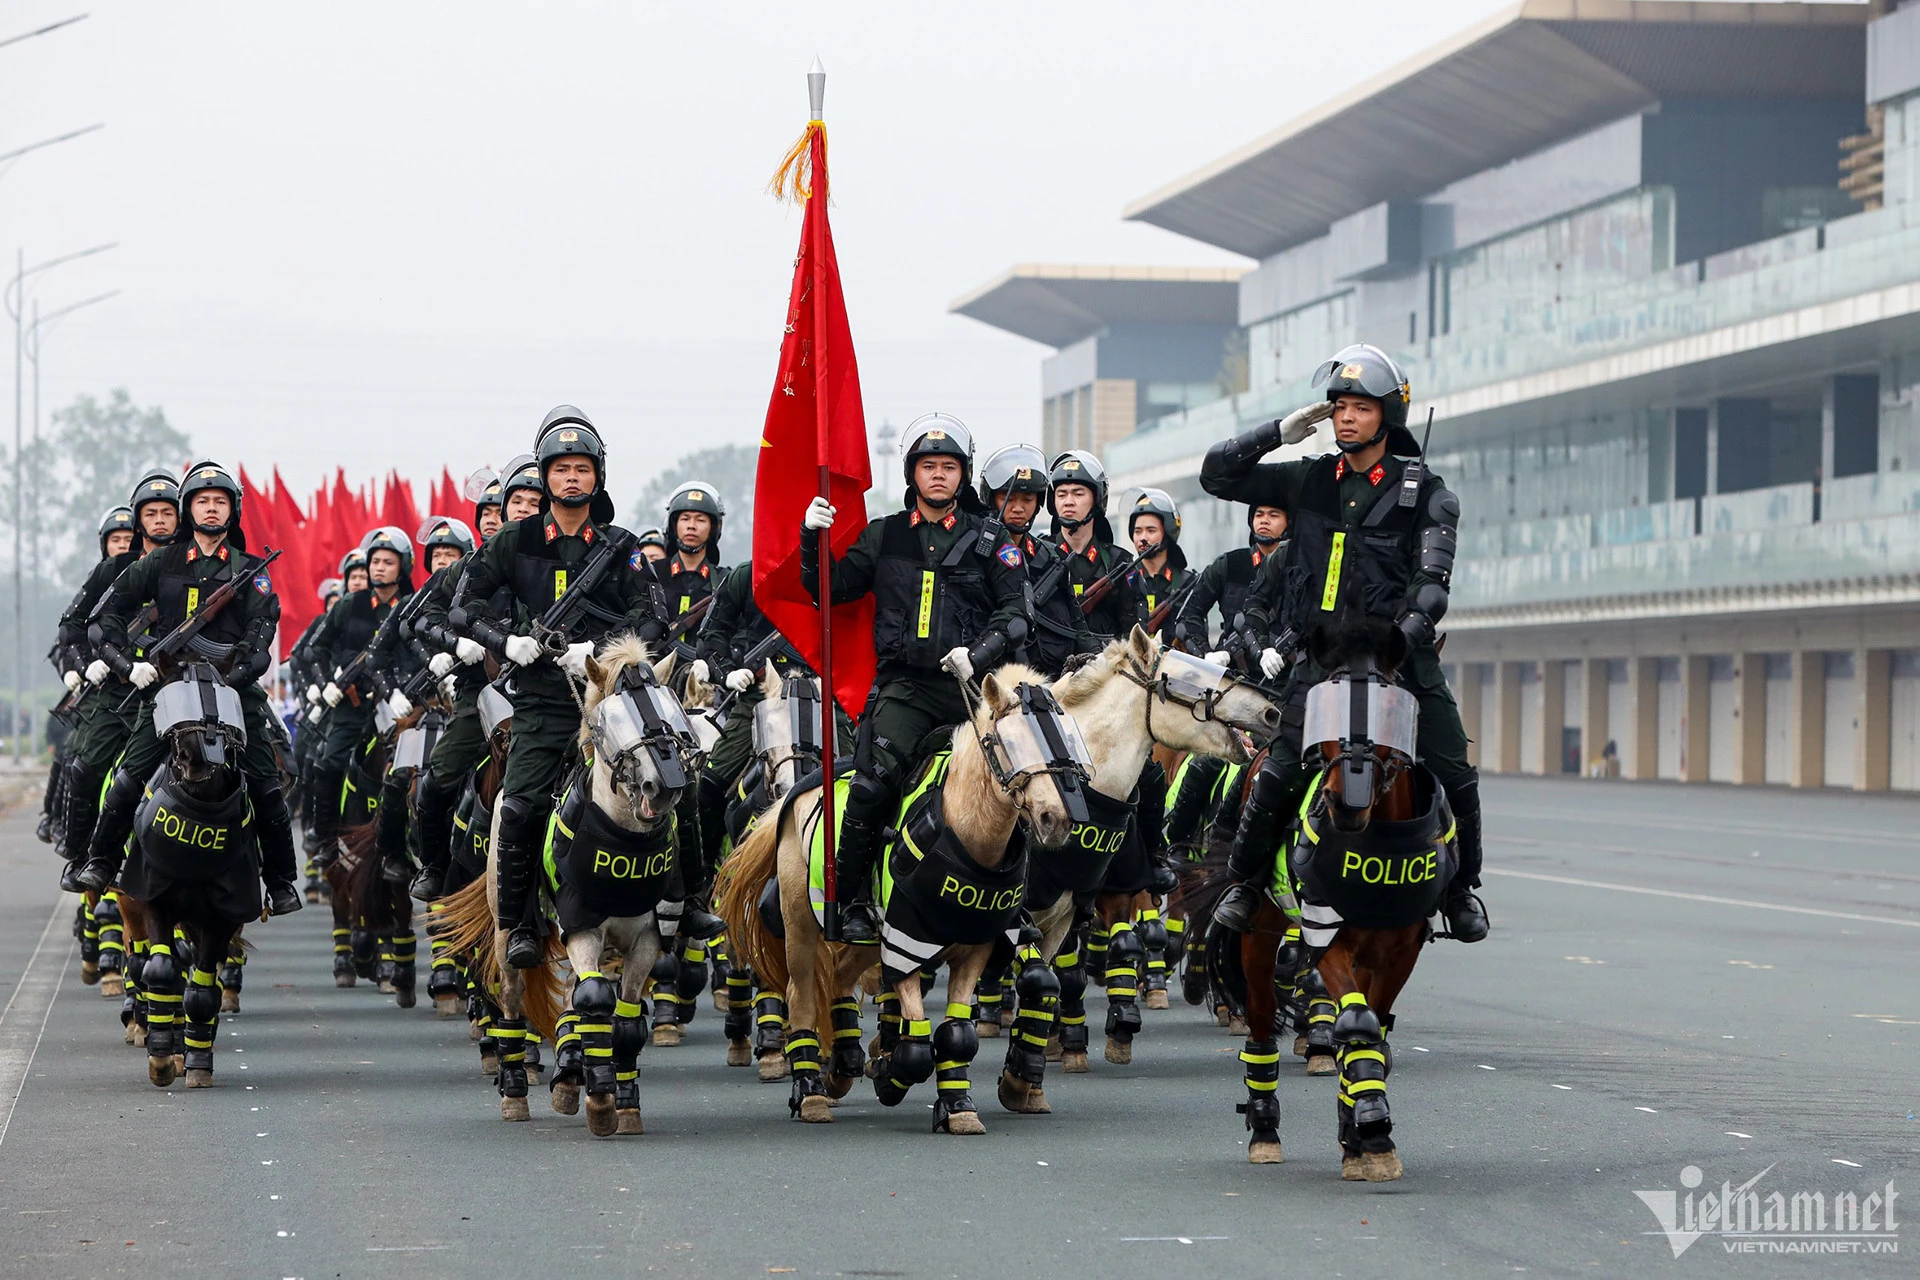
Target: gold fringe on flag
<point>793,180</point>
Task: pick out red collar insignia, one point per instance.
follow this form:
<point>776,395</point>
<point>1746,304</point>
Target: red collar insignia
<point>1378,473</point>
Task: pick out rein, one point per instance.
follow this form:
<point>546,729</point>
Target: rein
<point>1201,708</point>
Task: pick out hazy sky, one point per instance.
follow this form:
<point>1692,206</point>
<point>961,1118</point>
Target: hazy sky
<point>395,234</point>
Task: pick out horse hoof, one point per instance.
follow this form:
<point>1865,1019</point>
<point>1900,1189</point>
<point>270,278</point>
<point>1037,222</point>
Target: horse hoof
<point>136,1035</point>
<point>566,1099</point>
<point>774,1066</point>
<point>1007,1017</point>
<point>720,1002</point>
<point>965,1123</point>
<point>1220,1015</point>
<point>1299,1046</point>
<point>1157,1000</point>
<point>1119,1052</point>
<point>601,1122</point>
<point>838,1086</point>
<point>473,1030</point>
<point>313,897</point>
<point>1053,1050</point>
<point>514,1109</point>
<point>627,1123</point>
<point>1075,1063</point>
<point>815,1109</point>
<point>1380,1166</point>
<point>739,1053</point>
<point>179,1063</point>
<point>1237,1026</point>
<point>404,997</point>
<point>386,988</point>
<point>988,1030</point>
<point>1350,1169</point>
<point>160,1071</point>
<point>490,1065</point>
<point>1021,1098</point>
<point>446,1006</point>
<point>1323,1065</point>
<point>112,986</point>
<point>1264,1151</point>
<point>89,973</point>
<point>665,1037</point>
<point>199,1078</point>
<point>229,1001</point>
<point>345,978</point>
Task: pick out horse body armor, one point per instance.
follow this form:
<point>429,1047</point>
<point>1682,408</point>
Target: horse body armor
<point>187,838</point>
<point>1080,865</point>
<point>1388,876</point>
<point>599,869</point>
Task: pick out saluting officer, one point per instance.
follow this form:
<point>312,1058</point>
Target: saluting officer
<point>945,605</point>
<point>1013,484</point>
<point>1078,504</point>
<point>176,578</point>
<point>1352,514</point>
<point>534,559</point>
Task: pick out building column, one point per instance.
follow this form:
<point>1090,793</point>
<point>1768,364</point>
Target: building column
<point>1696,716</point>
<point>1506,705</point>
<point>1468,694</point>
<point>1594,730</point>
<point>1553,715</point>
<point>1643,680</point>
<point>1750,718</point>
<point>1873,708</point>
<point>1807,735</point>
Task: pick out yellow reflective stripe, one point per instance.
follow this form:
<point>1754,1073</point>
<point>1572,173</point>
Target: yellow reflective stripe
<point>959,1010</point>
<point>947,1086</point>
<point>1352,998</point>
<point>926,602</point>
<point>1334,560</point>
<point>1262,1086</point>
<point>919,1027</point>
<point>193,600</point>
<point>1366,1086</point>
<point>560,581</point>
<point>846,1033</point>
<point>1257,1059</point>
<point>1372,1055</point>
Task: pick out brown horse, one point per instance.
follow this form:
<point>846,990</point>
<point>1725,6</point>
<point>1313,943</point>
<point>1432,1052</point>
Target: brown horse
<point>1374,854</point>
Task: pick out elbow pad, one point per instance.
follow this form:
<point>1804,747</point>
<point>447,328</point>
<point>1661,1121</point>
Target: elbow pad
<point>254,666</point>
<point>1431,599</point>
<point>1441,538</point>
<point>987,653</point>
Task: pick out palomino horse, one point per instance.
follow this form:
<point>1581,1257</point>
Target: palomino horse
<point>1373,856</point>
<point>194,864</point>
<point>611,840</point>
<point>1133,695</point>
<point>960,833</point>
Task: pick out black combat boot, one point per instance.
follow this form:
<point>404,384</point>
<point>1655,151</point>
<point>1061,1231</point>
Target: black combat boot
<point>433,819</point>
<point>1251,861</point>
<point>514,858</point>
<point>853,863</point>
<point>107,847</point>
<point>1466,914</point>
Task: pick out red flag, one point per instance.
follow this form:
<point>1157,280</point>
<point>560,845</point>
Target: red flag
<point>804,437</point>
<point>297,576</point>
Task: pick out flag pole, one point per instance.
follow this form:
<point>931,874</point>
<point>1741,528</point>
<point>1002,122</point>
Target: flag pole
<point>816,250</point>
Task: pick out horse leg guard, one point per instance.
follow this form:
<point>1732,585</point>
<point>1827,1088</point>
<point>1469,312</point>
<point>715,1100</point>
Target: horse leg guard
<point>770,1034</point>
<point>1365,1062</point>
<point>1151,930</point>
<point>1176,927</point>
<point>88,930</point>
<point>164,990</point>
<point>1262,1107</point>
<point>954,1045</point>
<point>569,1064</point>
<point>807,1099</point>
<point>692,978</point>
<point>1094,948</point>
<point>740,1010</point>
<point>1320,1019</point>
<point>113,937</point>
<point>404,947</point>
<point>443,980</point>
<point>629,1038</point>
<point>133,1007</point>
<point>1193,978</point>
<point>1291,1011</point>
<point>1124,954</point>
<point>1073,1011</point>
<point>201,1005</point>
<point>363,947</point>
<point>986,1001</point>
<point>1024,1076</point>
<point>910,1062</point>
<point>594,997</point>
<point>666,997</point>
<point>510,1034</point>
<point>849,1060</point>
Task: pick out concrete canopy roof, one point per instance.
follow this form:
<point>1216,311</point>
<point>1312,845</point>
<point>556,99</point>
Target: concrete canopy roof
<point>1532,75</point>
<point>1060,305</point>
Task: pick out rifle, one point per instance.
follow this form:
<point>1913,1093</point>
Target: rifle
<point>184,635</point>
<point>1171,605</point>
<point>773,644</point>
<point>688,620</point>
<point>551,629</point>
<point>1122,566</point>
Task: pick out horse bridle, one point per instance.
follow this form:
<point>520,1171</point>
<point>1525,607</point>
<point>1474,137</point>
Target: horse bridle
<point>1200,706</point>
<point>1037,706</point>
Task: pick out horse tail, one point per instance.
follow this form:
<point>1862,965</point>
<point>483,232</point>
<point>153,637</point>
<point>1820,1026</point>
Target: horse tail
<point>543,997</point>
<point>363,876</point>
<point>743,878</point>
<point>465,924</point>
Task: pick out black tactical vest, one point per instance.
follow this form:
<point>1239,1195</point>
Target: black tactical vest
<point>364,615</point>
<point>1368,559</point>
<point>1237,572</point>
<point>540,577</point>
<point>180,595</point>
<point>1053,637</point>
<point>1114,615</point>
<point>920,610</point>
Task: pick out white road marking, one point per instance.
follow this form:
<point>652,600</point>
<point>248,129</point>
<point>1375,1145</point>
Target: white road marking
<point>1649,1110</point>
<point>1699,897</point>
<point>1567,1087</point>
<point>1731,1134</point>
<point>1850,1164</point>
<point>24,1021</point>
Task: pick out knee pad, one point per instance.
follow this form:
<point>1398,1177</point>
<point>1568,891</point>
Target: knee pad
<point>1037,982</point>
<point>269,803</point>
<point>1073,984</point>
<point>1269,790</point>
<point>519,820</point>
<point>1123,946</point>
<point>159,973</point>
<point>1357,1025</point>
<point>913,1061</point>
<point>594,998</point>
<point>954,1040</point>
<point>629,1033</point>
<point>122,793</point>
<point>868,791</point>
<point>201,1003</point>
<point>106,912</point>
<point>665,972</point>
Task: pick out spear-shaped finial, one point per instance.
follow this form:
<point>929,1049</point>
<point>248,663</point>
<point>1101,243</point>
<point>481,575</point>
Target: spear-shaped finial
<point>817,89</point>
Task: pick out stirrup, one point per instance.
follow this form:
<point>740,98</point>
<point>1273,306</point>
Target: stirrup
<point>1471,925</point>
<point>283,899</point>
<point>1235,909</point>
<point>859,923</point>
<point>523,948</point>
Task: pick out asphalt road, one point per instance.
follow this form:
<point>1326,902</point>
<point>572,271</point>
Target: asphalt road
<point>1678,977</point>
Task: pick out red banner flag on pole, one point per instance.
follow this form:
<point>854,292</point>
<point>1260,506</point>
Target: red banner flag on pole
<point>815,445</point>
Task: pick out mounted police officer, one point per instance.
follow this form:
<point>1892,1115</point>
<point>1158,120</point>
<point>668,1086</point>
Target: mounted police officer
<point>690,574</point>
<point>1078,504</point>
<point>1371,511</point>
<point>533,560</point>
<point>1014,485</point>
<point>344,635</point>
<point>1153,526</point>
<point>104,717</point>
<point>1228,584</point>
<point>176,578</point>
<point>947,602</point>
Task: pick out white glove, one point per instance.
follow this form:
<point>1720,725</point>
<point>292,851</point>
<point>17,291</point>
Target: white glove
<point>739,679</point>
<point>98,671</point>
<point>143,674</point>
<point>399,704</point>
<point>313,694</point>
<point>449,689</point>
<point>574,660</point>
<point>469,651</point>
<point>701,671</point>
<point>72,680</point>
<point>1300,424</point>
<point>1272,663</point>
<point>332,694</point>
<point>523,650</point>
<point>313,716</point>
<point>820,514</point>
<point>441,663</point>
<point>1219,657</point>
<point>957,662</point>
